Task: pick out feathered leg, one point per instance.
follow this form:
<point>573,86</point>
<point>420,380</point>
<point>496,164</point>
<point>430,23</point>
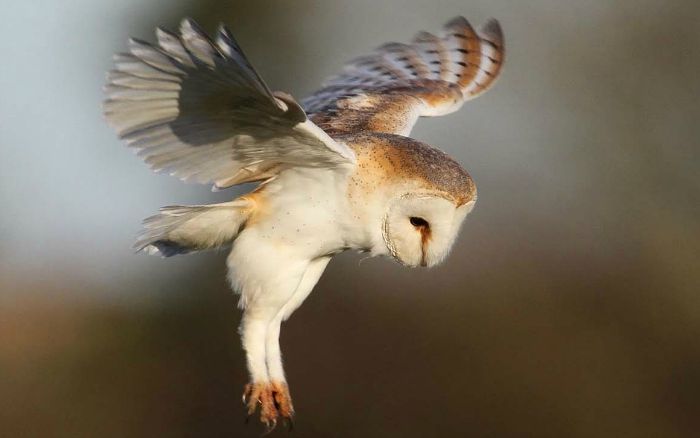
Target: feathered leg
<point>266,284</point>
<point>259,390</point>
<point>282,398</point>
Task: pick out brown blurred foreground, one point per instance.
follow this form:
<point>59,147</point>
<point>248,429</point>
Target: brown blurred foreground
<point>483,354</point>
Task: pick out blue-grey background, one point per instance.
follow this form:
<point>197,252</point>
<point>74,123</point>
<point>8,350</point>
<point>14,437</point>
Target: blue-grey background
<point>569,307</point>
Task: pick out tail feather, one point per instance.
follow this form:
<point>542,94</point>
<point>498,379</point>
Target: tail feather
<point>184,229</point>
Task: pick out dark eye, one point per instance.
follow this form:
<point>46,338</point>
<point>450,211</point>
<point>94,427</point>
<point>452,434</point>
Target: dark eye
<point>419,222</point>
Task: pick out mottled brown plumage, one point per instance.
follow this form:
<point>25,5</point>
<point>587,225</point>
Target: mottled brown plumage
<point>388,90</point>
<point>385,108</point>
<point>387,159</point>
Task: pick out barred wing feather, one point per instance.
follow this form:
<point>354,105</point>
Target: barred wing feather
<point>197,109</point>
<point>434,75</point>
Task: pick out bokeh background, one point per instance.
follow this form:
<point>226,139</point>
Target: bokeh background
<point>570,306</point>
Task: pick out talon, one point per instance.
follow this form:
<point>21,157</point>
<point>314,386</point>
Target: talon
<point>270,426</point>
<point>289,423</point>
<point>283,401</point>
<point>247,389</point>
<point>261,394</point>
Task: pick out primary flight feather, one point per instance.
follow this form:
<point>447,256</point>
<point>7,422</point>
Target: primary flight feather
<point>336,172</point>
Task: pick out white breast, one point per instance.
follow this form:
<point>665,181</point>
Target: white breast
<point>300,216</point>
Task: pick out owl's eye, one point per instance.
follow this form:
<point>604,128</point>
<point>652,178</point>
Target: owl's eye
<point>419,222</point>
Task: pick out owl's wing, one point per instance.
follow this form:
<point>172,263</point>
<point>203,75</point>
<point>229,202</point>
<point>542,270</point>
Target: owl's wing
<point>197,109</point>
<point>388,90</point>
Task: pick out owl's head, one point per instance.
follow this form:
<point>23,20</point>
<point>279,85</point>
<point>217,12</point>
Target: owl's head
<point>415,197</point>
<point>419,228</point>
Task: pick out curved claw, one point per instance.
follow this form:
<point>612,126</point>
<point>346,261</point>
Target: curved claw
<point>283,400</point>
<point>260,396</point>
<point>289,423</point>
<point>246,392</point>
<point>270,426</point>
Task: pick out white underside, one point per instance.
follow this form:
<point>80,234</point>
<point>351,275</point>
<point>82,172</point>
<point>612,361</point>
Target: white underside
<point>277,260</point>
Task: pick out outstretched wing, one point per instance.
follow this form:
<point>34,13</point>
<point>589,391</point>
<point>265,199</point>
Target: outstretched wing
<point>197,109</point>
<point>388,90</point>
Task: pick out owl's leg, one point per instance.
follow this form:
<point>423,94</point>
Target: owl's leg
<point>275,369</point>
<point>259,391</point>
<point>263,299</point>
<point>280,390</point>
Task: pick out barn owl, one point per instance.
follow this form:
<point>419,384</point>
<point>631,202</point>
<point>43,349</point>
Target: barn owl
<point>334,172</point>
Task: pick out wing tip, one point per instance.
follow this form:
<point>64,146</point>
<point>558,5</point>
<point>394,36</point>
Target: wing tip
<point>189,27</point>
<point>226,42</point>
<point>188,24</point>
<point>458,22</point>
<point>224,31</point>
<point>164,34</point>
<point>491,29</point>
<point>424,37</point>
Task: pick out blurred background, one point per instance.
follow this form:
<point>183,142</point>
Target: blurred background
<point>570,306</point>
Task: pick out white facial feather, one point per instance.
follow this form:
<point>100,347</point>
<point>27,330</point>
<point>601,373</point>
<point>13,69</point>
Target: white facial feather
<point>427,244</point>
